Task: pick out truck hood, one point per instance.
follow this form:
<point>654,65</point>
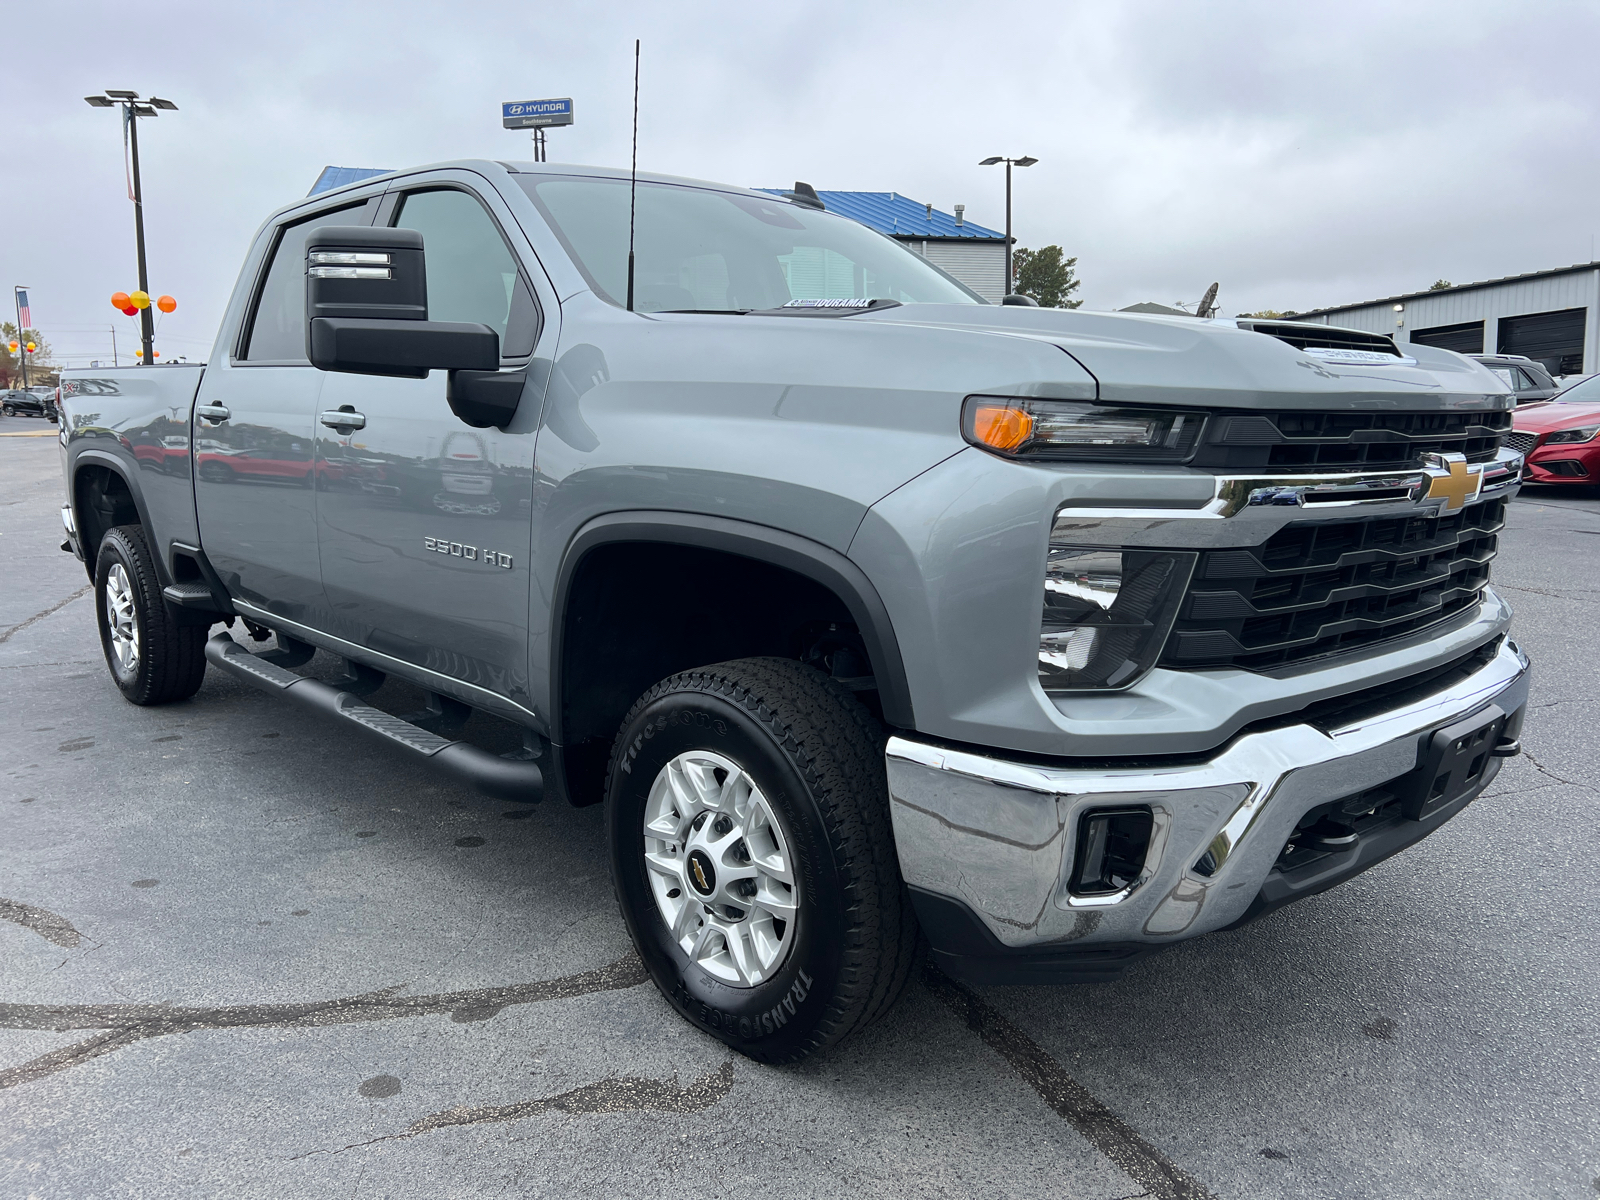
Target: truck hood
<point>1185,360</point>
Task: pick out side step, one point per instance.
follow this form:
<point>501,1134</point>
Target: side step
<point>492,776</point>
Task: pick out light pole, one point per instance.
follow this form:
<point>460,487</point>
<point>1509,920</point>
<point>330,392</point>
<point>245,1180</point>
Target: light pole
<point>1024,161</point>
<point>17,293</point>
<point>132,110</point>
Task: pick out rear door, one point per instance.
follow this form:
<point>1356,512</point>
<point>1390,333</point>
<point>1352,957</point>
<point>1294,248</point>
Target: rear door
<point>253,437</point>
<point>424,521</point>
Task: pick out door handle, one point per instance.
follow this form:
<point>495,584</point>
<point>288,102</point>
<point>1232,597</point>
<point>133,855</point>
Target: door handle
<point>344,420</point>
<point>215,413</point>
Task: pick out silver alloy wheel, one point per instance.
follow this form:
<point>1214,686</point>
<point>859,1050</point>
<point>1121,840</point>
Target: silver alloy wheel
<point>121,622</point>
<point>720,868</point>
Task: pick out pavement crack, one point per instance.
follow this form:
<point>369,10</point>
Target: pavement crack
<point>129,1023</point>
<point>1103,1129</point>
<point>616,1094</point>
<point>1549,774</point>
<point>52,928</point>
<point>39,616</point>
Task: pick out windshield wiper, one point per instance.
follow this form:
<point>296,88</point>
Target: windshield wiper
<point>738,312</point>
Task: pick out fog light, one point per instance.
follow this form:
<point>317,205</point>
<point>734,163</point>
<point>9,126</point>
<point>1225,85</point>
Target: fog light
<point>1112,846</point>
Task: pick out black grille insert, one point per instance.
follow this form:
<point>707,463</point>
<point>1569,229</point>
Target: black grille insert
<point>1313,442</point>
<point>1317,588</point>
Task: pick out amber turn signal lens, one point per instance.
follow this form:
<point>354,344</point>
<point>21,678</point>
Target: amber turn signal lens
<point>1001,426</point>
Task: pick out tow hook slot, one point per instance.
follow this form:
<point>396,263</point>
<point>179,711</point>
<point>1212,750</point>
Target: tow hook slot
<point>1113,844</point>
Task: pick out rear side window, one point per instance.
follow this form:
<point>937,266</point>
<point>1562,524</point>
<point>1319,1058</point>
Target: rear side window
<point>278,329</point>
<point>472,274</point>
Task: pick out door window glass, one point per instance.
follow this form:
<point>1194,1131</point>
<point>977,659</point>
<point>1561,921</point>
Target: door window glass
<point>278,331</point>
<point>472,275</point>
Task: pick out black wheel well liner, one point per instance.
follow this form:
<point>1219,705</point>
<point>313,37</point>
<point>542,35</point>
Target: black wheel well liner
<point>824,567</point>
<point>96,508</point>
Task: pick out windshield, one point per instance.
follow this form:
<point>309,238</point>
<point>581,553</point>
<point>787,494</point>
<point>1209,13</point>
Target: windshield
<point>1587,392</point>
<point>696,249</point>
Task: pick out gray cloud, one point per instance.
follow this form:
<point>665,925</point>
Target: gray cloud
<point>1300,154</point>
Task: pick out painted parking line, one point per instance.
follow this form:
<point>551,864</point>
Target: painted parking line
<point>29,433</point>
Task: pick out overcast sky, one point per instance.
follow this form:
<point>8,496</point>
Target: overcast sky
<point>1300,154</point>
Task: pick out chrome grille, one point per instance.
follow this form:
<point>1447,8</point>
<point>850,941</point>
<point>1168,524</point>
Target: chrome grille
<point>1317,588</point>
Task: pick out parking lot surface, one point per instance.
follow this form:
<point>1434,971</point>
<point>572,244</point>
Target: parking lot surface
<point>245,953</point>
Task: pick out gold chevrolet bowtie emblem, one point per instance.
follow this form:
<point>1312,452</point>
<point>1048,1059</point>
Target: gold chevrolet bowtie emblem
<point>1456,488</point>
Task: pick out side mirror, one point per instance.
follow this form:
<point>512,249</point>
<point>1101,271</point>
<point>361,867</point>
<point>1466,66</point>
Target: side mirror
<point>367,308</point>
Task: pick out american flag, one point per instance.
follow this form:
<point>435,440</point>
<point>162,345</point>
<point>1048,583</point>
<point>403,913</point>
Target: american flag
<point>24,314</point>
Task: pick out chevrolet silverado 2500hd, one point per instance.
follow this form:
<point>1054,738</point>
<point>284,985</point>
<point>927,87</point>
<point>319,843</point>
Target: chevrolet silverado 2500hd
<point>867,608</point>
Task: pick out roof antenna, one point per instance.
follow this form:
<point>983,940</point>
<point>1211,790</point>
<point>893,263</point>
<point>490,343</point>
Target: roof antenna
<point>633,176</point>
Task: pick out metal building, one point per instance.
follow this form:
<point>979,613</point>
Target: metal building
<point>974,255</point>
<point>1551,316</point>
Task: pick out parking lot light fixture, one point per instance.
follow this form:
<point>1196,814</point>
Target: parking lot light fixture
<point>132,110</point>
<point>1027,160</point>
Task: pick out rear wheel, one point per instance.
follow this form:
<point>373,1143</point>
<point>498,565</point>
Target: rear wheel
<point>747,815</point>
<point>8,410</point>
<point>153,659</point>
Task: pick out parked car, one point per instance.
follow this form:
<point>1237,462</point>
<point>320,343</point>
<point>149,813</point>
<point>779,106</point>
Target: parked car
<point>1528,378</point>
<point>1561,438</point>
<point>29,403</point>
<point>869,610</point>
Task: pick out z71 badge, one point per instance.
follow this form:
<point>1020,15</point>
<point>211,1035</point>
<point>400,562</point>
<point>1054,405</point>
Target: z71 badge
<point>489,558</point>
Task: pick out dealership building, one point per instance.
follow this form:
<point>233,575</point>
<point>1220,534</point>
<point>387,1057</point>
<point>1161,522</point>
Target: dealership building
<point>1550,316</point>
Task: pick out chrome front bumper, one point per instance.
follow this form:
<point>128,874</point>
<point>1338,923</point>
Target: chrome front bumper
<point>998,835</point>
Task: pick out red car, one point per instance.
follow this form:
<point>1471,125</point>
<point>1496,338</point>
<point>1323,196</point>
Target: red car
<point>1561,437</point>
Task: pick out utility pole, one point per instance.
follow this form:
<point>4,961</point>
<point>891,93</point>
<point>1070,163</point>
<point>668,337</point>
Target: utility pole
<point>132,110</point>
<point>1024,161</point>
<point>114,361</point>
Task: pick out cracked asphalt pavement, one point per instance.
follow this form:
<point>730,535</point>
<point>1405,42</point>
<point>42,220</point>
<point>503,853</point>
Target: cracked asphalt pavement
<point>246,953</point>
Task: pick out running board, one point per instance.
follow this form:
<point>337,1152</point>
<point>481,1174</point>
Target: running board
<point>493,776</point>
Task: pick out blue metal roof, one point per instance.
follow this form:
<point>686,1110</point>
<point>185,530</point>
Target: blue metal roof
<point>899,216</point>
<point>338,177</point>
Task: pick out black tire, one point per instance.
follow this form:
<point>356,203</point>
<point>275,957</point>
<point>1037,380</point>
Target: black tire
<point>168,659</point>
<point>817,756</point>
<point>9,411</point>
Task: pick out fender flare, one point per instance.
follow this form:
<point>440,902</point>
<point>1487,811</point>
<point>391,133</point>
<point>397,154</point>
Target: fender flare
<point>90,456</point>
<point>817,562</point>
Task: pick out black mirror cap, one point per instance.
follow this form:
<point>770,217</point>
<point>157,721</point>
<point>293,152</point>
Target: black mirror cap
<point>407,349</point>
<point>1019,299</point>
<point>358,271</point>
<point>486,399</point>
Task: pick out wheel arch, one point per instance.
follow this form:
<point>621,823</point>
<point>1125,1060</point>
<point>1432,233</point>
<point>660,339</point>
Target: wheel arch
<point>102,496</point>
<point>594,555</point>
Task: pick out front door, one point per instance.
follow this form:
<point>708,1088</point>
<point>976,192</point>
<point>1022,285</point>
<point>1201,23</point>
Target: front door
<point>254,441</point>
<point>423,521</point>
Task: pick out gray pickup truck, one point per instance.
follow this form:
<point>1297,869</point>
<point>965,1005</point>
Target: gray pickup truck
<point>872,612</point>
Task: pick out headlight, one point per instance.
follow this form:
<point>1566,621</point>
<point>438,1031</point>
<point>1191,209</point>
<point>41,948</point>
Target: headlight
<point>1075,430</point>
<point>1583,434</point>
<point>1107,613</point>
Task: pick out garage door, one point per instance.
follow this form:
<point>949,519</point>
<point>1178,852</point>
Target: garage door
<point>1463,339</point>
<point>1553,338</point>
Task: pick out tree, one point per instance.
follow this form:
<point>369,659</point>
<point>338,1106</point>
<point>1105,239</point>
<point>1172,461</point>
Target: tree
<point>1047,276</point>
<point>1271,314</point>
<point>1440,283</point>
<point>11,364</point>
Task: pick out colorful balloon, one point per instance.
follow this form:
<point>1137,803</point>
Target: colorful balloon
<point>32,346</point>
<point>130,311</point>
<point>138,353</point>
<point>120,300</point>
<point>166,304</point>
<point>139,299</point>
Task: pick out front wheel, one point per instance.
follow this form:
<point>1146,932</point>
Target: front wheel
<point>747,815</point>
<point>8,410</point>
<point>153,659</point>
